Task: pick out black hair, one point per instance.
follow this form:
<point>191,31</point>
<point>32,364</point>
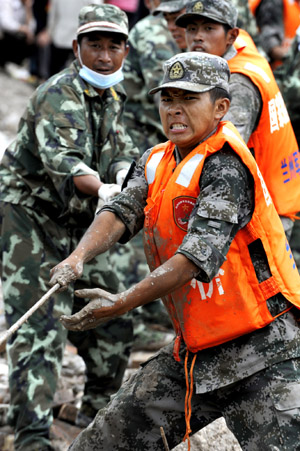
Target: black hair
<point>218,93</point>
<point>91,36</point>
<point>226,27</point>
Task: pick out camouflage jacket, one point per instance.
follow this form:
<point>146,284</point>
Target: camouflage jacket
<point>67,130</point>
<point>246,20</point>
<point>288,79</point>
<point>246,101</point>
<point>269,19</point>
<point>225,182</point>
<point>150,45</point>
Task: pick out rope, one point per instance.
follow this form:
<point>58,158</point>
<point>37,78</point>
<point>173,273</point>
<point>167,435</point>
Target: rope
<point>188,396</point>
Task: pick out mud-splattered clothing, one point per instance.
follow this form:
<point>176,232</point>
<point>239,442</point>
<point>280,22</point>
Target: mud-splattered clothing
<point>244,379</point>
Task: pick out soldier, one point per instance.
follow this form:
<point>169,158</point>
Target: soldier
<point>287,76</point>
<point>277,21</point>
<point>150,45</point>
<point>71,152</point>
<point>246,19</point>
<point>257,108</point>
<point>171,9</point>
<point>221,262</point>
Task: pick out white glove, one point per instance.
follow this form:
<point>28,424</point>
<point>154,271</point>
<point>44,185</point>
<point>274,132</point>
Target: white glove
<point>108,190</point>
<point>121,174</point>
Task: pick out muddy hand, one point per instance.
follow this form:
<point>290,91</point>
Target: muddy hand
<point>98,311</point>
<point>64,273</point>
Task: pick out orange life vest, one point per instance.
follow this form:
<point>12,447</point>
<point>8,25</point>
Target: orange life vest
<point>291,20</point>
<point>253,4</point>
<point>291,17</point>
<point>274,142</point>
<point>233,303</point>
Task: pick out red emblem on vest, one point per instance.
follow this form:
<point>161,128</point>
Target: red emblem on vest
<point>182,209</point>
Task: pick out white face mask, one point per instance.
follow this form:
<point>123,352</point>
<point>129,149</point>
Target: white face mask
<point>97,80</point>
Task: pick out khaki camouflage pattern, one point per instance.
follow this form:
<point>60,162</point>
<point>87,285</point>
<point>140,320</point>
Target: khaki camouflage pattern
<point>77,133</point>
<point>31,245</point>
<point>170,6</point>
<point>102,18</point>
<point>66,130</point>
<point>246,20</point>
<point>218,10</point>
<point>253,380</point>
<point>196,72</point>
<point>151,44</point>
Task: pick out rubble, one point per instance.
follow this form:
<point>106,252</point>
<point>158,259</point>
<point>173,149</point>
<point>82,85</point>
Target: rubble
<point>71,383</point>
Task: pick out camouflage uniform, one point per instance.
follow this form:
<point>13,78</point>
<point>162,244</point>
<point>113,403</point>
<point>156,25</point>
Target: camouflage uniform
<point>246,102</point>
<point>246,20</point>
<point>253,381</point>
<point>269,19</point>
<point>150,45</point>
<point>288,80</point>
<point>67,130</point>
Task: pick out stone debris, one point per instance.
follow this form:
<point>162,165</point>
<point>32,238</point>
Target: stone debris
<point>214,437</point>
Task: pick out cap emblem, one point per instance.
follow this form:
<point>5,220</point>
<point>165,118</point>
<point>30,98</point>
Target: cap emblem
<point>198,7</point>
<point>176,71</point>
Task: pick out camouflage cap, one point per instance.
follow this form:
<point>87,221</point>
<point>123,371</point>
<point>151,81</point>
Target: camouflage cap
<point>170,6</point>
<point>106,17</point>
<point>222,11</point>
<point>196,72</point>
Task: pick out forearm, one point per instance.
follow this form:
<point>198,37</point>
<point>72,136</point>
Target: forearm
<point>170,276</point>
<point>104,306</point>
<point>87,184</point>
<point>103,233</point>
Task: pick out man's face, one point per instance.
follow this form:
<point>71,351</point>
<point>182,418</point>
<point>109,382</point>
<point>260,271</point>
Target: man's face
<point>187,117</point>
<point>178,33</point>
<point>102,52</point>
<point>206,35</point>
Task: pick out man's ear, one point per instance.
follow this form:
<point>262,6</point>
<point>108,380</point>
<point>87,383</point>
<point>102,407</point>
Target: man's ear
<point>221,108</point>
<point>75,47</point>
<point>127,48</point>
<point>231,36</point>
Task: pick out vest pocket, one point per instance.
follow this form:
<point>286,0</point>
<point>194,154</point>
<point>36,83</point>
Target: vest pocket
<point>286,399</point>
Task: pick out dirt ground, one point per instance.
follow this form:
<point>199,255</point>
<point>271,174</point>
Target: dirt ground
<point>15,94</point>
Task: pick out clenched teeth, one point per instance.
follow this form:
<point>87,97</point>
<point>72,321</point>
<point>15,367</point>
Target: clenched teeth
<point>178,126</point>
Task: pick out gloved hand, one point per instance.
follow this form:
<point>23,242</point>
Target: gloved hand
<point>121,174</point>
<point>108,190</point>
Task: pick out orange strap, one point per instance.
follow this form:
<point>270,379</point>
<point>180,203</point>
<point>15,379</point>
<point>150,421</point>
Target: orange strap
<point>188,396</point>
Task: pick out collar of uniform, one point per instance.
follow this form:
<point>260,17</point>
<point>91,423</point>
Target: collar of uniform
<point>230,53</point>
<point>177,155</point>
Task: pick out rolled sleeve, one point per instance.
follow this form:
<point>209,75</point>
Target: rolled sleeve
<point>130,203</point>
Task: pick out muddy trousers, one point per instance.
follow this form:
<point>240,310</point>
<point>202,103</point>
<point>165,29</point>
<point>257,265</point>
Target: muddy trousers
<point>262,411</point>
<point>31,244</point>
